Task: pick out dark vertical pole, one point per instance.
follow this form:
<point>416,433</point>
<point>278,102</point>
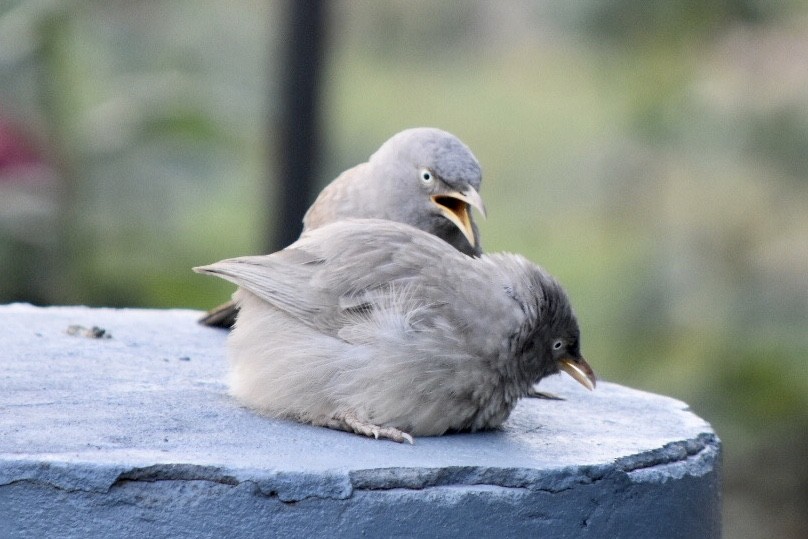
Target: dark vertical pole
<point>298,129</point>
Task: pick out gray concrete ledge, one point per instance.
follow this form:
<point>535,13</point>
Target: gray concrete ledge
<point>134,435</point>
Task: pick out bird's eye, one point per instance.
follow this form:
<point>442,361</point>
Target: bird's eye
<point>426,176</point>
<point>557,344</point>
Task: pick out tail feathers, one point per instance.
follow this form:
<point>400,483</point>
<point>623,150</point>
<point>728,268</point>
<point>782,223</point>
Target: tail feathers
<point>223,316</point>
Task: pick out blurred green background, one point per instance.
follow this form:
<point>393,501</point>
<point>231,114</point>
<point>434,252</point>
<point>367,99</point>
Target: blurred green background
<point>651,154</point>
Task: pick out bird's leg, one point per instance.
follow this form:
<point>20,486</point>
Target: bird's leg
<point>534,393</point>
<point>348,421</point>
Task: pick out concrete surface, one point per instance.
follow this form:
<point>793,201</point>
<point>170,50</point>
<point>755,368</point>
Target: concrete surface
<point>132,434</point>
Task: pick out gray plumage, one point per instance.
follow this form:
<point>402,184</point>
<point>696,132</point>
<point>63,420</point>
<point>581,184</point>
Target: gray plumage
<point>391,185</point>
<point>375,327</point>
<point>424,177</point>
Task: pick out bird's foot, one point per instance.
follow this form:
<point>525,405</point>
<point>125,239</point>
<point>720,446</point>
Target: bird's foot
<point>533,393</point>
<point>350,422</point>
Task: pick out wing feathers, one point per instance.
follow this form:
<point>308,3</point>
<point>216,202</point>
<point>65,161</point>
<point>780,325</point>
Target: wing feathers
<point>326,277</point>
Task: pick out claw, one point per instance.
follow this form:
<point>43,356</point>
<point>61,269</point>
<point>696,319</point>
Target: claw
<point>533,393</point>
<point>348,421</point>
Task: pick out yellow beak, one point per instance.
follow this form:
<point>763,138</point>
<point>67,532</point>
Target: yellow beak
<point>455,206</point>
<point>580,370</point>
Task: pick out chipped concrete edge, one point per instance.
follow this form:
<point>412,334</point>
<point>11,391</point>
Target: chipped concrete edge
<point>688,457</point>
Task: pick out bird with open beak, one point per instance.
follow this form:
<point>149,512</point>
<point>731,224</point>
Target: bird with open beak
<point>423,176</point>
<point>375,327</point>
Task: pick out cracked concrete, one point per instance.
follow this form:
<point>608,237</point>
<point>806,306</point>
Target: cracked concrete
<point>134,435</point>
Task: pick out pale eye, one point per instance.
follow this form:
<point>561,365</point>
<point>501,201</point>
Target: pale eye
<point>426,176</point>
<point>557,344</point>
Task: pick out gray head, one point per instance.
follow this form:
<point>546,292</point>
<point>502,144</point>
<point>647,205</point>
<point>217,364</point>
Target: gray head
<point>550,339</point>
<point>436,180</point>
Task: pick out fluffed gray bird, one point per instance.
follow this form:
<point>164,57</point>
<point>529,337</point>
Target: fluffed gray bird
<point>423,176</point>
<point>374,327</point>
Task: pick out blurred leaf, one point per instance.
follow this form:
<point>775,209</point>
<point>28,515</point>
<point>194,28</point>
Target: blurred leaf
<point>761,384</point>
<point>188,125</point>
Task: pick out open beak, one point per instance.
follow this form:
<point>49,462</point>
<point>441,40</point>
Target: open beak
<point>456,207</point>
<point>580,370</point>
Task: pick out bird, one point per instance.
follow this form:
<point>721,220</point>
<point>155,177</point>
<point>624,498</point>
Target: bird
<point>423,176</point>
<point>375,327</point>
